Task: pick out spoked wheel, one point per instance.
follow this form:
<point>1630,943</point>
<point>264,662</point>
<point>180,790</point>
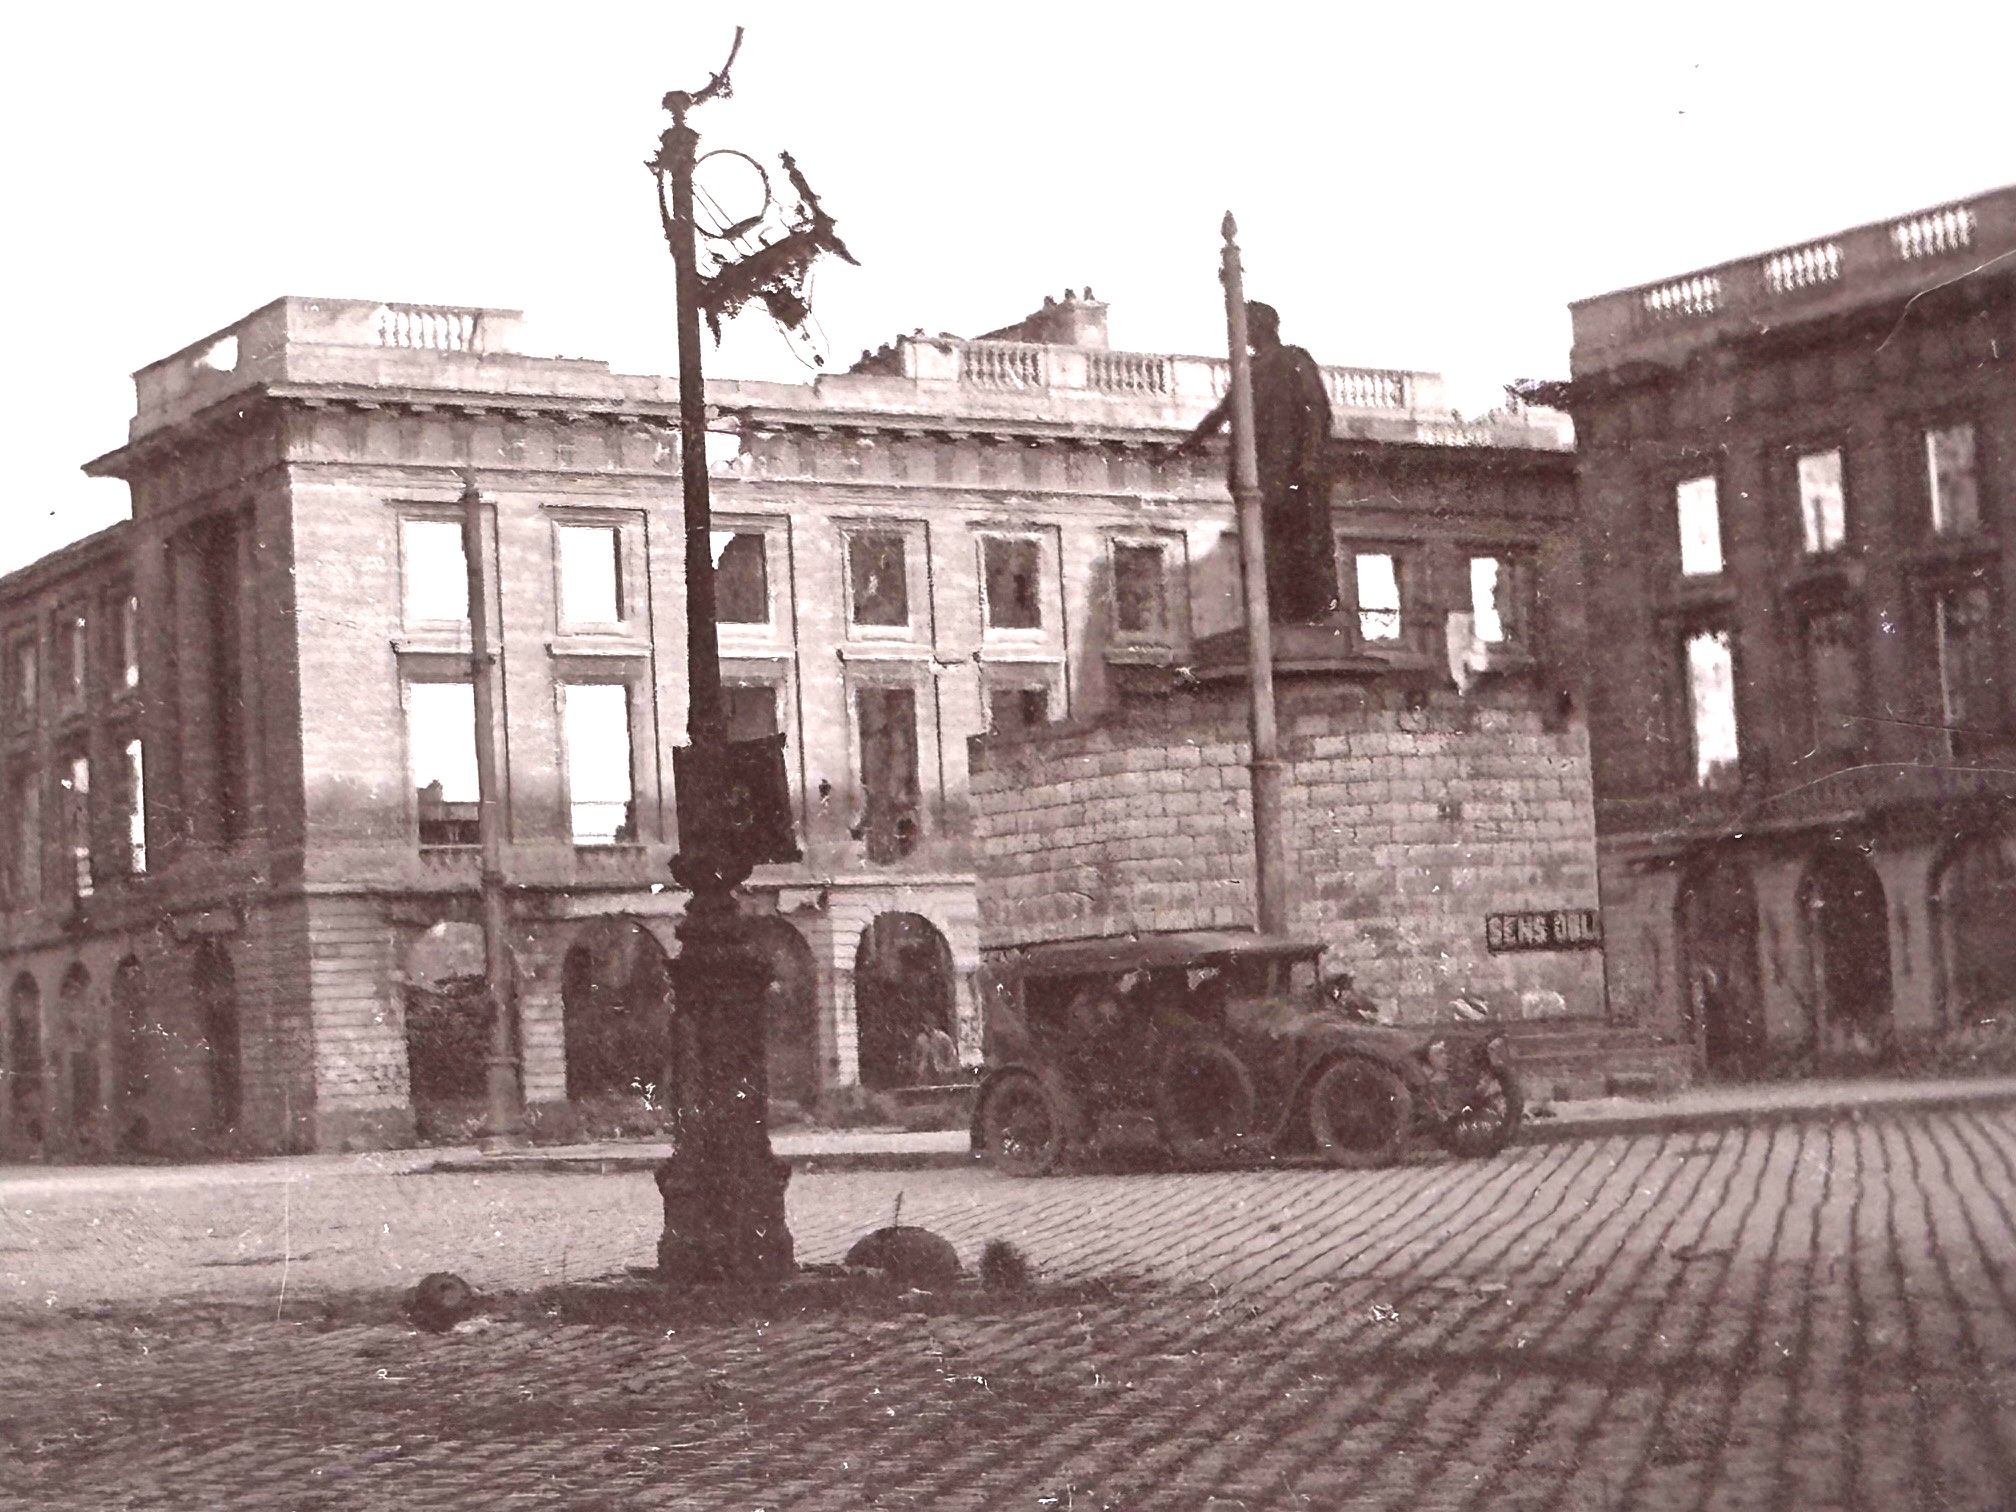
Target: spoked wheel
<point>1485,1121</point>
<point>1204,1102</point>
<point>1359,1113</point>
<point>1021,1126</point>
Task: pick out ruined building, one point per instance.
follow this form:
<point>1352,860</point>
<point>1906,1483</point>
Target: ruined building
<point>1798,498</point>
<point>239,755</point>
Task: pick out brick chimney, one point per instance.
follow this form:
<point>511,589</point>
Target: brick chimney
<point>1076,320</point>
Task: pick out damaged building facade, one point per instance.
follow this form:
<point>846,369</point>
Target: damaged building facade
<point>239,769</point>
<point>1798,493</point>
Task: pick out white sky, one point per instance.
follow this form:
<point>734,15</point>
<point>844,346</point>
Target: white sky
<point>1420,186</point>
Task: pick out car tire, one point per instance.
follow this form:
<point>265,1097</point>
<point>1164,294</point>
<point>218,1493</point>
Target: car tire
<point>1359,1112</point>
<point>1204,1101</point>
<point>1484,1122</point>
<point>1023,1125</point>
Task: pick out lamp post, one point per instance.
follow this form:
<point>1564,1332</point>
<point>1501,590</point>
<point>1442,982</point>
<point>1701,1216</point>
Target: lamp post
<point>1270,851</point>
<point>723,1187</point>
<point>501,1085</point>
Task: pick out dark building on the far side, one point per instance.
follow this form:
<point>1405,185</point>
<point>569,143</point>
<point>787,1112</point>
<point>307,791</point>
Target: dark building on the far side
<point>1798,495</point>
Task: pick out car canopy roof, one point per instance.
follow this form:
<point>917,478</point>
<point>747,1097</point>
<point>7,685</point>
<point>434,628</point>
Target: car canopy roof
<point>1135,952</point>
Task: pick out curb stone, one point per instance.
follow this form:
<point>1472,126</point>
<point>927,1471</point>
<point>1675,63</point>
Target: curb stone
<point>1652,1119</point>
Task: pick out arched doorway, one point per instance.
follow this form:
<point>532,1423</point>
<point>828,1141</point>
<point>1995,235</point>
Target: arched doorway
<point>791,1027</point>
<point>615,1005</point>
<point>1974,904</point>
<point>24,1059</point>
<point>903,988</point>
<point>214,989</point>
<point>133,1054</point>
<point>1848,941</point>
<point>84,1095</point>
<point>1722,1001</point>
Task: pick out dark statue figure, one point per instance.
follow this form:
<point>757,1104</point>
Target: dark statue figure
<point>1291,424</point>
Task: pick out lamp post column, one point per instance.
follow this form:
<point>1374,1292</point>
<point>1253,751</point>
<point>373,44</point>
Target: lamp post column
<point>1270,851</point>
<point>723,1188</point>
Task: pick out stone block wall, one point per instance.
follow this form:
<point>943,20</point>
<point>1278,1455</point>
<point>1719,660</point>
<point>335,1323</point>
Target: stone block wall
<point>1411,816</point>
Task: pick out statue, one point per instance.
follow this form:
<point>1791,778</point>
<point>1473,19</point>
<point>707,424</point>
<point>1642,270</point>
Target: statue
<point>1291,423</point>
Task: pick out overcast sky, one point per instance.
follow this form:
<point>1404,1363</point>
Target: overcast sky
<point>1422,186</point>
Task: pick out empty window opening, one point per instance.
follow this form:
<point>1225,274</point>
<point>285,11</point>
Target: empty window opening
<point>1378,582</point>
<point>589,577</point>
<point>76,652</point>
<point>879,592</point>
<point>1140,592</point>
<point>1711,694</point>
<point>1823,514</point>
<point>1700,513</point>
<point>441,741</point>
<point>750,710</point>
<point>136,810</point>
<point>437,572</point>
<point>1965,625</point>
<point>741,578</point>
<point>1010,709</point>
<point>1834,679</point>
<point>76,783</point>
<point>127,611</point>
<point>1949,464</point>
<point>1013,567</point>
<point>890,798</point>
<point>601,796</point>
<point>1489,581</point>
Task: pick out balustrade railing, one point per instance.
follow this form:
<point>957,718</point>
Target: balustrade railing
<point>426,328</point>
<point>1365,388</point>
<point>1933,233</point>
<point>1804,267</point>
<point>1129,372</point>
<point>1697,294</point>
<point>1003,365</point>
<point>1864,260</point>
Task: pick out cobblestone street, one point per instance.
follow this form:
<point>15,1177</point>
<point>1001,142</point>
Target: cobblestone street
<point>1816,1314</point>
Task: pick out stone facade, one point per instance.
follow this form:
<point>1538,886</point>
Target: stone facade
<point>1798,500</point>
<point>1408,821</point>
<point>260,945</point>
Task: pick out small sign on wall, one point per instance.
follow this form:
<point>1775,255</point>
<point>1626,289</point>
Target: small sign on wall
<point>1555,929</point>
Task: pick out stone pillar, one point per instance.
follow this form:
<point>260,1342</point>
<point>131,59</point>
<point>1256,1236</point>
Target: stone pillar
<point>1785,967</point>
<point>1906,873</point>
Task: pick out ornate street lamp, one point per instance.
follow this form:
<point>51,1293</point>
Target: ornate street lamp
<point>722,1186</point>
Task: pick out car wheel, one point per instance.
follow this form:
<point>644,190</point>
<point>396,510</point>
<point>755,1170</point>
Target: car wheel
<point>1359,1112</point>
<point>1204,1101</point>
<point>1485,1121</point>
<point>1021,1126</point>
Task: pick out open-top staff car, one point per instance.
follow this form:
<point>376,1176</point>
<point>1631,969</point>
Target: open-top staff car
<point>1232,1043</point>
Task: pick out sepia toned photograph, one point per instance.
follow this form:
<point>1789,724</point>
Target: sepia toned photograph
<point>1073,758</point>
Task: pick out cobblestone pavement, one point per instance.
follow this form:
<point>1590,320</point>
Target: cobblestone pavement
<point>1815,1315</point>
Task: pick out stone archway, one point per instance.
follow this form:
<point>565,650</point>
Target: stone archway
<point>1974,908</point>
<point>134,1034</point>
<point>213,985</point>
<point>615,1008</point>
<point>1720,980</point>
<point>903,987</point>
<point>791,1027</point>
<point>26,1107</point>
<point>83,1092</point>
<point>1847,924</point>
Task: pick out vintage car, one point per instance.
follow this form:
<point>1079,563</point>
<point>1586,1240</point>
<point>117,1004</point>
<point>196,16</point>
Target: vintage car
<point>1233,1043</point>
